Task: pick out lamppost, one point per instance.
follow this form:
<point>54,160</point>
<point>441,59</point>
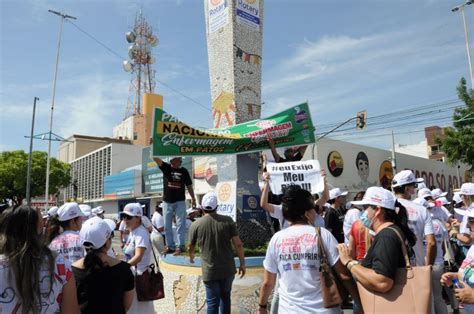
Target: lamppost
<point>466,36</point>
<point>63,17</point>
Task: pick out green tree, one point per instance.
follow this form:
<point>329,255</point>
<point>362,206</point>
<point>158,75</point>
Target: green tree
<point>14,168</point>
<point>459,141</point>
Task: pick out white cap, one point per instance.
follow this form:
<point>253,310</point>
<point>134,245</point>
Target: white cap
<point>467,189</point>
<point>457,198</point>
<point>95,231</point>
<point>191,210</point>
<point>423,202</point>
<point>52,211</point>
<point>443,200</point>
<point>336,192</point>
<point>69,211</point>
<point>86,209</point>
<point>466,212</point>
<point>133,209</point>
<point>97,210</point>
<point>377,196</point>
<point>421,185</point>
<point>437,193</point>
<point>405,177</point>
<point>110,223</point>
<point>209,201</point>
<point>424,192</point>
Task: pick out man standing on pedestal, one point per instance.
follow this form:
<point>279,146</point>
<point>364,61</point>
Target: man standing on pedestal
<point>175,178</point>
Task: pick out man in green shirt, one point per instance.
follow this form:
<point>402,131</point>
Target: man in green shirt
<point>214,234</point>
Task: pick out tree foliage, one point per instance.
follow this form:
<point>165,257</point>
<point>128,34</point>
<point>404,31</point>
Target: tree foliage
<point>13,172</point>
<point>459,141</point>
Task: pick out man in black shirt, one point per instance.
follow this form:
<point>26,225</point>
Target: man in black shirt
<point>175,179</point>
<point>334,218</point>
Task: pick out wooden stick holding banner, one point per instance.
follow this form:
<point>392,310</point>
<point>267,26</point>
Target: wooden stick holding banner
<point>306,174</point>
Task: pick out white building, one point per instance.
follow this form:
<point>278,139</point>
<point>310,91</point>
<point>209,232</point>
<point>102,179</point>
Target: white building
<point>88,171</point>
<point>417,150</point>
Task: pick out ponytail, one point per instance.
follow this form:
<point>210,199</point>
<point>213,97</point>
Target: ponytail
<point>400,219</point>
<point>92,261</point>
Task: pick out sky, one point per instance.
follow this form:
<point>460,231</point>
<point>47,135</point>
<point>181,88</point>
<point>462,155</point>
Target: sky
<point>341,56</point>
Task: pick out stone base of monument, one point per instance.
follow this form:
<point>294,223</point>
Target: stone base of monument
<point>185,291</point>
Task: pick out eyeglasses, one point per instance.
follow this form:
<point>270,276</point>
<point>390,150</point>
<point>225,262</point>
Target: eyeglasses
<point>127,217</point>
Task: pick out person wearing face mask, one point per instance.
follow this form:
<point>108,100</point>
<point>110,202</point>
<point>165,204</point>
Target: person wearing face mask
<point>293,255</point>
<point>377,270</point>
<point>66,242</point>
<point>404,186</point>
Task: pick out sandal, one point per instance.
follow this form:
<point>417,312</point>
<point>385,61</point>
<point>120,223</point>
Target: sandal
<point>177,252</point>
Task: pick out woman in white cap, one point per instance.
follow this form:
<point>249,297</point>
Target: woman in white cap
<point>299,277</point>
<point>137,250</point>
<point>32,278</point>
<point>63,234</point>
<point>104,284</point>
<point>377,270</point>
<point>464,234</point>
<point>98,211</point>
<point>463,281</point>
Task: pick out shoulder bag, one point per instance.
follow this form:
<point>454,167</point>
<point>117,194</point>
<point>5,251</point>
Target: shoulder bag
<point>149,285</point>
<point>331,289</point>
<point>411,291</point>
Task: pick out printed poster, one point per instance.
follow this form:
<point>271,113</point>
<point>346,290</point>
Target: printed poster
<point>227,199</point>
<point>306,174</point>
<point>218,14</point>
<point>248,13</point>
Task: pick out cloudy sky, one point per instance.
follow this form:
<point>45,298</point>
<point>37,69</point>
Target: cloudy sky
<point>382,56</point>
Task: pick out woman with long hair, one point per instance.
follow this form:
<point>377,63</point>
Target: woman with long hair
<point>293,254</point>
<point>104,284</point>
<point>32,279</point>
<point>63,232</point>
<point>137,250</point>
<point>377,270</point>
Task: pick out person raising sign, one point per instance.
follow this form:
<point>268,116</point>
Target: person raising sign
<point>290,153</point>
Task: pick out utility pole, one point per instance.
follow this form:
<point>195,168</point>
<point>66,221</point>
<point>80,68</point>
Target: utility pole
<point>466,37</point>
<point>63,17</point>
<point>394,161</point>
<point>30,159</point>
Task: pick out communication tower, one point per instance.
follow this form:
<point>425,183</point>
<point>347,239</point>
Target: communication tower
<point>142,41</point>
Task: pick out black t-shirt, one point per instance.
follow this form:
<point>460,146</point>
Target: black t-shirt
<point>385,255</point>
<point>102,291</point>
<point>334,221</point>
<point>174,182</point>
<point>296,157</point>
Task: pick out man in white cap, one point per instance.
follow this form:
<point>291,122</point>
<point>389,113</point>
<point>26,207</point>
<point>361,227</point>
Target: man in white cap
<point>175,179</point>
<point>98,211</point>
<point>86,210</point>
<point>404,185</point>
<point>334,218</point>
<point>464,235</point>
<point>214,234</point>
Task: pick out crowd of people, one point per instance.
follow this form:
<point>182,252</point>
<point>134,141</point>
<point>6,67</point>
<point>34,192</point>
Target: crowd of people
<point>62,261</point>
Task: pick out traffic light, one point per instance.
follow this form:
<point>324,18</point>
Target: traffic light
<point>361,120</point>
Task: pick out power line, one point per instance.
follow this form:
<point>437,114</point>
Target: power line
<point>122,58</point>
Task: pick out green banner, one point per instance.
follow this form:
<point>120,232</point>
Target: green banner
<point>172,137</point>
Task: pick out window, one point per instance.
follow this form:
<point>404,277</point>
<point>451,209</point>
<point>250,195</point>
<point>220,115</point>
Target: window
<point>434,149</point>
<point>135,135</point>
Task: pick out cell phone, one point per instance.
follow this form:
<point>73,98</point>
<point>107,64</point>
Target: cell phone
<point>457,284</point>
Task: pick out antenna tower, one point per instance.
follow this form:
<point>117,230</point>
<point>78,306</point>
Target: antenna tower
<point>141,40</point>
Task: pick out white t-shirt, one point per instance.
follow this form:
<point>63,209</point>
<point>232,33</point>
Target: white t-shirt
<point>441,234</point>
<point>419,221</point>
<point>50,302</point>
<point>278,214</point>
<point>438,213</point>
<point>146,222</point>
<point>139,237</point>
<point>293,254</point>
<point>351,216</point>
<point>68,244</point>
<point>158,222</point>
<point>464,227</point>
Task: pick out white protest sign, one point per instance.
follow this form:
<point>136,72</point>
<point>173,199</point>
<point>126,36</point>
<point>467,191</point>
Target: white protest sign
<point>227,199</point>
<point>306,174</point>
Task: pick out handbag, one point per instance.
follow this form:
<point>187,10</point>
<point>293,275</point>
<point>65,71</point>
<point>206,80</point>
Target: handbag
<point>411,291</point>
<point>330,286</point>
<point>149,285</point>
